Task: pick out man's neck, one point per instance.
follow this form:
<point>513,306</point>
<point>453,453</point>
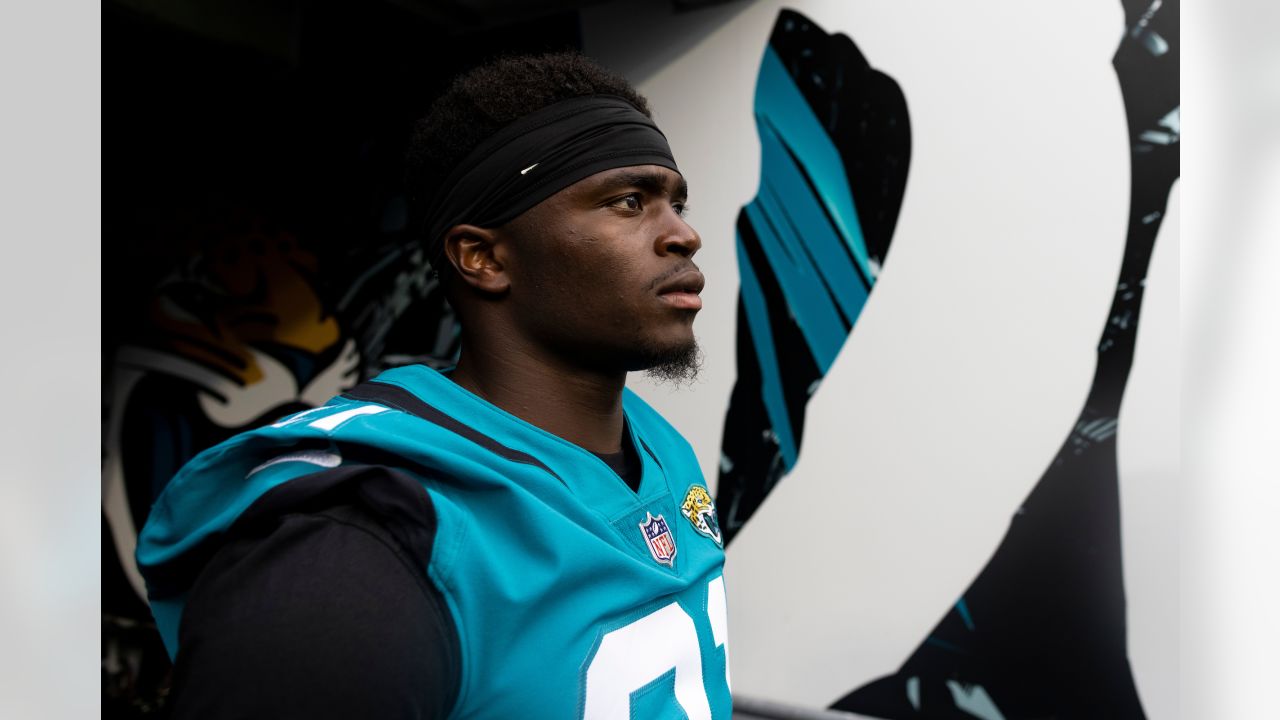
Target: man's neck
<point>580,406</point>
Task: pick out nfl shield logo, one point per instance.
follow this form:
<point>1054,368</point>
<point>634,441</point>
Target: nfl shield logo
<point>662,544</point>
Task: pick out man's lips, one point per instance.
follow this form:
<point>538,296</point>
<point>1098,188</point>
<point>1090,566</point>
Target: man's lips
<point>682,290</point>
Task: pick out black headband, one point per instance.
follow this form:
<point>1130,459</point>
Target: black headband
<point>540,154</point>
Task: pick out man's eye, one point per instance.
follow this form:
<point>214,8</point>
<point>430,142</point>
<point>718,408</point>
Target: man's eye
<point>629,202</point>
<point>680,208</point>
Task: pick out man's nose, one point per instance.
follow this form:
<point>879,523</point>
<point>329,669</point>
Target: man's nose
<point>678,238</point>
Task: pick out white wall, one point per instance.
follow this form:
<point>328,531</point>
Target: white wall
<point>971,360</point>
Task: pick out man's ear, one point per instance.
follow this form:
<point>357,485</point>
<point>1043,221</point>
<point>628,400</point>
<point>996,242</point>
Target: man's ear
<point>477,257</point>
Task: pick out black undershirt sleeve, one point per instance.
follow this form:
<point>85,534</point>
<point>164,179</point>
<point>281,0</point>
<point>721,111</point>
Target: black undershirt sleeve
<point>315,614</point>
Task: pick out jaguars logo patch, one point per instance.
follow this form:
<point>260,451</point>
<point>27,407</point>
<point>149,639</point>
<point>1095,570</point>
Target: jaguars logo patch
<point>701,512</point>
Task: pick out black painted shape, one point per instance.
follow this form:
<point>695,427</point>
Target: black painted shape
<point>865,114</point>
<point>754,460</point>
<point>1043,630</point>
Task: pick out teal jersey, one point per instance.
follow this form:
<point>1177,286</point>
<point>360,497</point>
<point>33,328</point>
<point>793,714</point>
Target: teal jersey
<point>572,595</point>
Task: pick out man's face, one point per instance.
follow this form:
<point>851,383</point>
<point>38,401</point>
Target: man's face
<point>602,272</point>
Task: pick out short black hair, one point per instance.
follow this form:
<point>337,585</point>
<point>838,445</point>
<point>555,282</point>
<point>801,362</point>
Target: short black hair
<point>481,101</point>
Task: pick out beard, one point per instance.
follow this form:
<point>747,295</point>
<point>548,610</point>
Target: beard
<point>676,365</point>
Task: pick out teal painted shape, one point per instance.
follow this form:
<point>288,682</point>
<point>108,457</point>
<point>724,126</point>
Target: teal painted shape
<point>781,103</point>
<point>963,608</point>
<point>785,183</point>
<point>806,299</point>
<point>757,313</point>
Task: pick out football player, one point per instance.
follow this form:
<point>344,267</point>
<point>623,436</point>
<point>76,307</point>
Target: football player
<point>518,537</point>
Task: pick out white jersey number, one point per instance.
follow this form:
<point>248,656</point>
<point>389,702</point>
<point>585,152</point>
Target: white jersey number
<point>640,652</point>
